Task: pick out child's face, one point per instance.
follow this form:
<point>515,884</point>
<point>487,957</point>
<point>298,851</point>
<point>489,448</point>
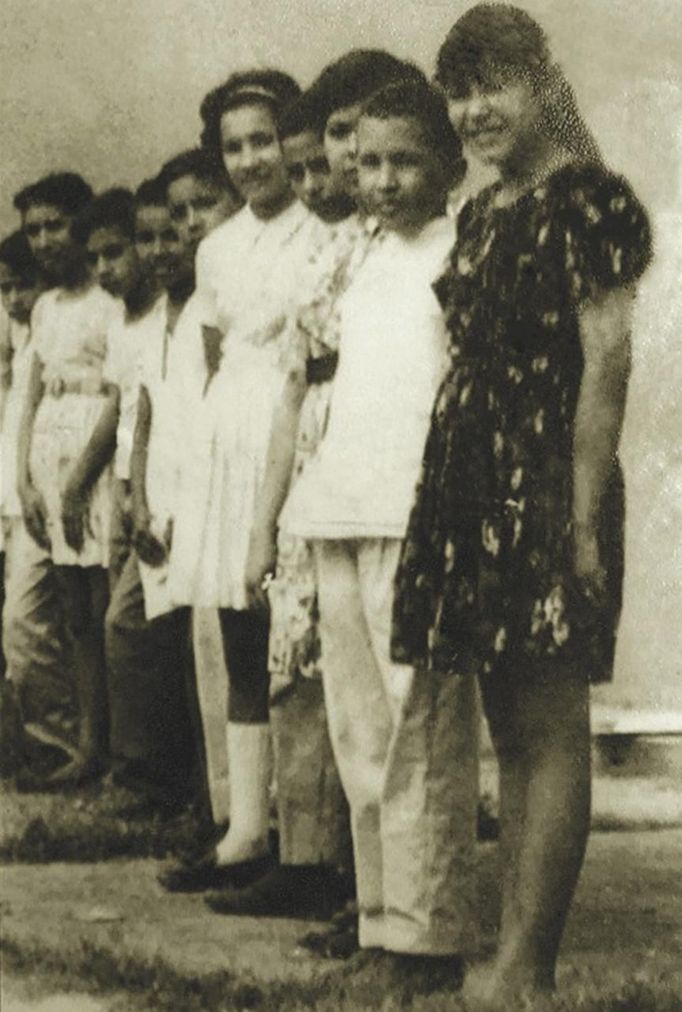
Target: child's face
<point>499,120</point>
<point>162,255</point>
<point>113,260</point>
<point>48,230</point>
<point>18,293</point>
<point>340,146</point>
<point>310,176</point>
<point>197,206</point>
<point>402,180</point>
<point>253,157</point>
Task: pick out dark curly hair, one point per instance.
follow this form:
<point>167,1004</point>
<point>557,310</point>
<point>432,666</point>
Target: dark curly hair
<point>65,190</point>
<point>272,88</point>
<point>200,163</point>
<point>16,254</point>
<point>354,78</point>
<point>115,208</point>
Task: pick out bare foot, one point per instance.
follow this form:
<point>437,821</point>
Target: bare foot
<point>487,988</point>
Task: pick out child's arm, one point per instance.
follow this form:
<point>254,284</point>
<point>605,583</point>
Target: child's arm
<point>149,548</point>
<point>92,461</point>
<point>278,468</point>
<point>32,503</point>
<point>605,337</point>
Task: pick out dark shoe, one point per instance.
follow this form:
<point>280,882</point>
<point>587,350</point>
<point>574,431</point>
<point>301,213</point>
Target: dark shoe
<point>79,772</point>
<point>339,940</point>
<point>206,874</point>
<point>296,891</point>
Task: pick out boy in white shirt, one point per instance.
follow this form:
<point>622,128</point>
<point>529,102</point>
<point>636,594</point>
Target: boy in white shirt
<point>405,741</point>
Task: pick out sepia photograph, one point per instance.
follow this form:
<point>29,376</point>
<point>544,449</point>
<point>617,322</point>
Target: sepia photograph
<point>340,506</point>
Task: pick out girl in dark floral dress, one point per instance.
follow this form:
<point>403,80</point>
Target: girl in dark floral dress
<point>513,562</point>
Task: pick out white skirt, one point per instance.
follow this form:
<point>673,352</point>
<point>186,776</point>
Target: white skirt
<point>61,430</point>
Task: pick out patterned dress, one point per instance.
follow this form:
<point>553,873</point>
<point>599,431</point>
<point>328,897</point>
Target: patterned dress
<point>294,649</point>
<point>486,580</point>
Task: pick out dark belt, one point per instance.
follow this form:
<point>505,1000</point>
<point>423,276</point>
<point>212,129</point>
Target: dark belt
<point>320,370</point>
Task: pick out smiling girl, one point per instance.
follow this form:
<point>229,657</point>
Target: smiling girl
<point>246,275</point>
<point>513,562</point>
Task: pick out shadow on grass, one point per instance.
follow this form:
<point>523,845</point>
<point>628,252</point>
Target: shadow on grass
<point>354,987</point>
<point>86,826</point>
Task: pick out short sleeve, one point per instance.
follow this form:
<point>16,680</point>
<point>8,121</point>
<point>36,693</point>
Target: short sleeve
<point>607,236</point>
<point>39,330</point>
<point>111,368</point>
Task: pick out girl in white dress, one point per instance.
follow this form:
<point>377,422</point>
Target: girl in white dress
<point>64,403</point>
<point>246,273</point>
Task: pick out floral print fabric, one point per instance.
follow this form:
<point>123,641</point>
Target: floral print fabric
<point>486,576</point>
<point>294,649</point>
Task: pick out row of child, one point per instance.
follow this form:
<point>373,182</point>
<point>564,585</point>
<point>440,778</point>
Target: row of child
<point>265,379</point>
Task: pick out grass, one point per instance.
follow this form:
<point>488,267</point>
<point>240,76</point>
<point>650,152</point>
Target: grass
<point>157,987</point>
<point>84,825</point>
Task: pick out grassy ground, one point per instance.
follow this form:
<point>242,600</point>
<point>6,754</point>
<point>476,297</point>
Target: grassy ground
<point>109,929</point>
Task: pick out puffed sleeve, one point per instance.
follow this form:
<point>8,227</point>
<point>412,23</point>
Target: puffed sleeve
<point>607,236</point>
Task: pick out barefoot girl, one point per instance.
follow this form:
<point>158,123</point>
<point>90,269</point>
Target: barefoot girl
<point>513,561</point>
<point>64,402</point>
<point>398,738</point>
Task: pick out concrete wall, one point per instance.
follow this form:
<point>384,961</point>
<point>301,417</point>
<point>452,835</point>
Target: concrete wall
<point>113,88</point>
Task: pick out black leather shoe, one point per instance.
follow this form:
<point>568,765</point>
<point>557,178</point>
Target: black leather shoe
<point>207,874</point>
<point>297,891</point>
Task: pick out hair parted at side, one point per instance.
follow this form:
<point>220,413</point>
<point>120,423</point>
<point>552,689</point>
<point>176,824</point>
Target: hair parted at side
<point>66,191</point>
<point>115,208</point>
<point>418,100</point>
<point>354,77</point>
<point>15,253</point>
<point>494,43</point>
<point>200,163</point>
<point>273,88</point>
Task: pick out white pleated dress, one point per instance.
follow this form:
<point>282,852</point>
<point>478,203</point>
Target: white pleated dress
<point>248,271</point>
<point>70,338</point>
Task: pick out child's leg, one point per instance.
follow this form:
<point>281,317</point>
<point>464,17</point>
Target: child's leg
<point>360,721</point>
<point>245,646</point>
<point>311,805</point>
<point>33,629</point>
<point>430,789</point>
<point>540,729</point>
<point>151,727</point>
<point>85,594</point>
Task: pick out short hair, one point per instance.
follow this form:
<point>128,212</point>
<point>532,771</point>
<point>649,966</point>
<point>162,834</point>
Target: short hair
<point>115,208</point>
<point>15,253</point>
<point>495,42</point>
<point>273,88</point>
<point>301,116</point>
<point>418,100</point>
<point>201,163</point>
<point>65,190</point>
<point>151,193</point>
<point>354,78</point>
